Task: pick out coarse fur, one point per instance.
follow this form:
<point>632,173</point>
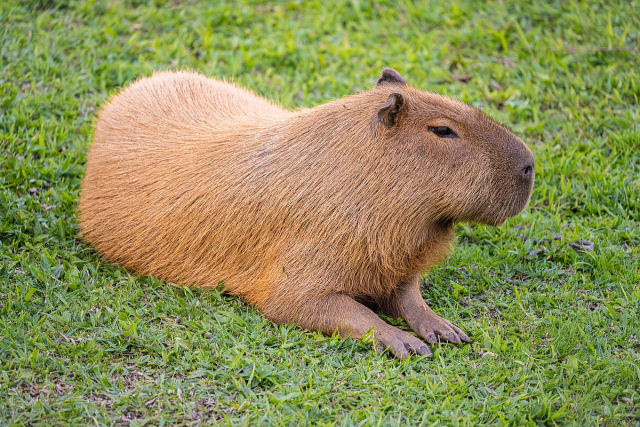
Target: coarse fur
<point>310,215</point>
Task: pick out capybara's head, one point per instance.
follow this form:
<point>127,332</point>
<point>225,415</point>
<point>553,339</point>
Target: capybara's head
<point>467,166</point>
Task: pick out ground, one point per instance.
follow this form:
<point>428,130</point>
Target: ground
<point>555,321</point>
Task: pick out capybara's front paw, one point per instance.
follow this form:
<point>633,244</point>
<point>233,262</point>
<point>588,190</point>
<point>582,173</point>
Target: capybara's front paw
<point>401,344</point>
<point>432,327</point>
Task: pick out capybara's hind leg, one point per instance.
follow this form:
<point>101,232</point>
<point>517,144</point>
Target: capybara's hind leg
<point>350,318</point>
<point>407,302</point>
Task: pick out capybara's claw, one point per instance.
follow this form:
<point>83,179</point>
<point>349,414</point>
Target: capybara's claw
<point>401,344</point>
<point>435,328</point>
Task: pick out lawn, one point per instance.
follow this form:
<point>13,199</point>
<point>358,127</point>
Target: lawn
<point>555,324</point>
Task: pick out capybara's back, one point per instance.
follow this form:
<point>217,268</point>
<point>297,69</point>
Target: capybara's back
<point>170,160</point>
<point>316,216</point>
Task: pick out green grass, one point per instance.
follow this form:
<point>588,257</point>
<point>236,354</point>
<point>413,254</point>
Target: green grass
<point>556,332</point>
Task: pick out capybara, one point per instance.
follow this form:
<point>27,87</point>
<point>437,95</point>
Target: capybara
<point>318,216</point>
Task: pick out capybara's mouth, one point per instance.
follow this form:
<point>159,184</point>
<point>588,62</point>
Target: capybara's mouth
<point>494,221</point>
<point>513,209</point>
<point>498,216</point>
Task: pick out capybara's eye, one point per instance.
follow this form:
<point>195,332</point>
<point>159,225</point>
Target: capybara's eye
<point>443,131</point>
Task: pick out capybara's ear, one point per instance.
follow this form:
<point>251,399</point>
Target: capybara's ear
<point>394,107</point>
<point>390,76</point>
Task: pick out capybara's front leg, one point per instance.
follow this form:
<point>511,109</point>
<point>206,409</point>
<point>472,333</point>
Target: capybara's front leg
<point>407,302</point>
<point>350,318</point>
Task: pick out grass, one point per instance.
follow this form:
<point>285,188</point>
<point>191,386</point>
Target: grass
<point>555,330</point>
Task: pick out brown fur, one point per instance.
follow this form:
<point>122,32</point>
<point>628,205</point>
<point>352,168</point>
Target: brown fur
<point>305,214</point>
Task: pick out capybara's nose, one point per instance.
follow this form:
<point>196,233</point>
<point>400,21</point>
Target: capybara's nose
<point>527,171</point>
